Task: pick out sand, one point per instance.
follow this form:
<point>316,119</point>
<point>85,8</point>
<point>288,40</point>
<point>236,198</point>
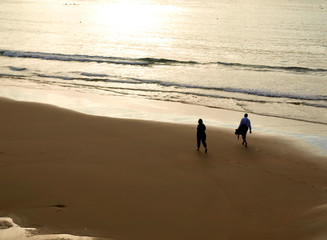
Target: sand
<point>67,172</point>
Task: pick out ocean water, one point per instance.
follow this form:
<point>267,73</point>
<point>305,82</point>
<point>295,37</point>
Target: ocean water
<point>264,57</point>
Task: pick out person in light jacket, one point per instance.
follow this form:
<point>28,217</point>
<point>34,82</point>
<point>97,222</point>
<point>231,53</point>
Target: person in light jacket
<point>244,126</point>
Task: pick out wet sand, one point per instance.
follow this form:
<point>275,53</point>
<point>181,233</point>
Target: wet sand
<point>67,172</point>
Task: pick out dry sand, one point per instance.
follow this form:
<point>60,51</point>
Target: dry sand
<point>66,172</point>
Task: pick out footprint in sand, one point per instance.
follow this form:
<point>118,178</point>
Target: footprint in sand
<point>58,207</point>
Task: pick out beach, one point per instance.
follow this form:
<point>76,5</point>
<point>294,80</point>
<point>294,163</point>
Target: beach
<point>67,172</point>
<point>99,108</point>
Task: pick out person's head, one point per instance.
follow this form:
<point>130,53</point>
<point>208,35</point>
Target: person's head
<point>200,121</point>
<point>245,115</point>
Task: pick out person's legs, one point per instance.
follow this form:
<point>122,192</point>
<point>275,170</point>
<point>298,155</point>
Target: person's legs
<point>204,143</point>
<point>244,139</point>
<point>198,142</point>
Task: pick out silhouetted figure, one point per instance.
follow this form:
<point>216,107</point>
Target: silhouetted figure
<point>245,124</point>
<point>201,135</point>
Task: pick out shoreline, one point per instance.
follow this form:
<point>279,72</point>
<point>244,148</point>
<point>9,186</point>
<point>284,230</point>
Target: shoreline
<point>303,132</point>
<point>132,179</point>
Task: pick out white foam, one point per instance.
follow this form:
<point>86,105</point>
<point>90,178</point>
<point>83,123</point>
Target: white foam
<point>11,231</point>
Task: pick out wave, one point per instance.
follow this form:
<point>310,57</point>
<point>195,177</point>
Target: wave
<point>11,75</point>
<point>90,78</point>
<point>276,94</point>
<point>152,61</point>
<point>166,61</point>
<point>94,74</point>
<point>56,77</point>
<point>88,58</point>
<point>272,68</point>
<point>74,57</point>
<point>255,92</point>
<point>18,69</point>
<point>181,88</point>
<point>204,91</point>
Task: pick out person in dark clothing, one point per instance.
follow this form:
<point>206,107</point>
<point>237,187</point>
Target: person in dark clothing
<point>201,135</point>
<point>245,124</point>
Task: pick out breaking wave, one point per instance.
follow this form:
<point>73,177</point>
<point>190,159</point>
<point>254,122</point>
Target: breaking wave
<point>273,68</point>
<point>151,61</point>
<point>140,86</point>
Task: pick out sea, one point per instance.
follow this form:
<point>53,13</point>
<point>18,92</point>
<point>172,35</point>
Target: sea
<point>258,56</point>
